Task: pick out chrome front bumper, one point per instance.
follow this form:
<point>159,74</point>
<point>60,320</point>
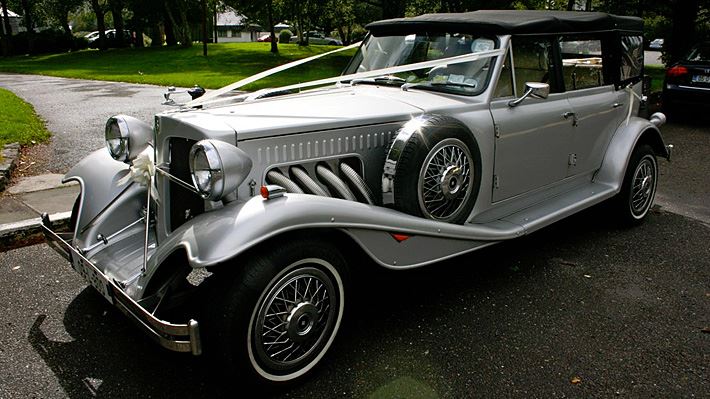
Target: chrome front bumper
<point>176,337</point>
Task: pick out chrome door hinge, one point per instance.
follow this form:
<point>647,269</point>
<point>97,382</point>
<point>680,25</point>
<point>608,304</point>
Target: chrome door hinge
<point>496,129</point>
<point>496,181</point>
<point>572,160</point>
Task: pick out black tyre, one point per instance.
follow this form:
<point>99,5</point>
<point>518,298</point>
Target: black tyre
<point>438,173</point>
<point>639,187</point>
<point>273,321</point>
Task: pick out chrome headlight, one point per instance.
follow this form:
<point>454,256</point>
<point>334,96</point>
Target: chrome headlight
<point>217,168</point>
<point>126,137</point>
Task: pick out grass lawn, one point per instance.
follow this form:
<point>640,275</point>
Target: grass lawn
<point>18,121</point>
<point>226,63</point>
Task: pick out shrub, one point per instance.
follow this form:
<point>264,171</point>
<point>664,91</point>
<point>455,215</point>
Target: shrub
<point>285,36</point>
<point>47,41</point>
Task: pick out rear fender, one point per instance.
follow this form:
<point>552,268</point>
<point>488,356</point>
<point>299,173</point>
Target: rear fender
<point>617,156</point>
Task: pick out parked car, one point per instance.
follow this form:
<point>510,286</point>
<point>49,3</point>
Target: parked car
<point>446,134</point>
<point>318,38</point>
<point>656,44</point>
<point>93,37</point>
<point>266,38</point>
<point>687,82</point>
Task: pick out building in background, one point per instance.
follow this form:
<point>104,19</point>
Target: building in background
<point>232,27</point>
<point>15,23</point>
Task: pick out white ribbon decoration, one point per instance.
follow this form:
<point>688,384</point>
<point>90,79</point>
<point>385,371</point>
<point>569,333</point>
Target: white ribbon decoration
<point>632,94</point>
<point>260,75</point>
<point>361,75</point>
<point>142,171</point>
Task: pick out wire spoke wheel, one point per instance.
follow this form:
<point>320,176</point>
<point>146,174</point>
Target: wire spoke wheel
<point>295,318</point>
<point>446,180</point>
<point>643,186</point>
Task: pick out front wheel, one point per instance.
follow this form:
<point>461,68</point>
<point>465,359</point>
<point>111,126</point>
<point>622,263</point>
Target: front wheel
<point>281,313</point>
<point>639,187</point>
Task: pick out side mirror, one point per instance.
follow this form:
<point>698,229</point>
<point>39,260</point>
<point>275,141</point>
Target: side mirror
<point>534,89</point>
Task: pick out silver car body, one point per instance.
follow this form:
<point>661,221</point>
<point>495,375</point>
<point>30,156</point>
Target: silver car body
<point>538,165</point>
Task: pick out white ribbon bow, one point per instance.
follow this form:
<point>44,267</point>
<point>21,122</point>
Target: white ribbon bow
<point>142,171</point>
<point>632,94</point>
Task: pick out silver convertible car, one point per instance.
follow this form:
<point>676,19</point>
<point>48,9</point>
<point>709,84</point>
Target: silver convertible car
<point>445,134</point>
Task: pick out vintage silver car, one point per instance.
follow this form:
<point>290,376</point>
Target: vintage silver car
<point>445,134</point>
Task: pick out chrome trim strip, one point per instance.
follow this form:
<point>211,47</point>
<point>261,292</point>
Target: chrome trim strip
<point>175,337</point>
<point>694,88</point>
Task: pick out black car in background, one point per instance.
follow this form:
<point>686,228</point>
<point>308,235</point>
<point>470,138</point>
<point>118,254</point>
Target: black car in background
<point>687,82</point>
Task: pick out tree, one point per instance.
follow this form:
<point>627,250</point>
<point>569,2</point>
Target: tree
<point>116,7</point>
<point>263,12</point>
<point>58,11</point>
<point>100,23</point>
<point>176,12</point>
<point>7,29</point>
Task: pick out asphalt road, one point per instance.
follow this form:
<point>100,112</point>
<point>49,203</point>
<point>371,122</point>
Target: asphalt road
<point>622,310</point>
<point>76,110</point>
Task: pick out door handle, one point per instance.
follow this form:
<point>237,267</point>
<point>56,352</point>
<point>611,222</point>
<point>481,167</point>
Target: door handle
<point>617,105</point>
<point>570,114</point>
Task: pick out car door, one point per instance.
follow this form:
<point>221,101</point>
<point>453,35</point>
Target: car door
<point>533,138</point>
<point>597,106</point>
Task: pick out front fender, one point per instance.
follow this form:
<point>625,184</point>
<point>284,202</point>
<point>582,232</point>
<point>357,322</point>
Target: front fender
<point>99,176</point>
<point>216,237</point>
<point>622,145</point>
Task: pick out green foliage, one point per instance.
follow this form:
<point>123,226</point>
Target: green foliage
<point>19,122</point>
<point>285,36</point>
<point>227,63</point>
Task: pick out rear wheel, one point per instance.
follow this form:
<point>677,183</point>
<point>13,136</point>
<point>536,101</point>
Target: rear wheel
<point>280,314</point>
<point>639,187</point>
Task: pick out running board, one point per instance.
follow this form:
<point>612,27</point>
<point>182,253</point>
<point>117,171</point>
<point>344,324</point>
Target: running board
<point>560,206</point>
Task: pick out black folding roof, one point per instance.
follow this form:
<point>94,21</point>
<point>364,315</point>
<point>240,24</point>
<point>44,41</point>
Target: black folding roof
<point>509,22</point>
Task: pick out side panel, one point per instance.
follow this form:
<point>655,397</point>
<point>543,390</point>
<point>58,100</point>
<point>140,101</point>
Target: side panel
<point>99,176</point>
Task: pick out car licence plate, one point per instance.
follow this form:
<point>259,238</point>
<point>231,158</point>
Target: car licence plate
<point>701,79</point>
<point>92,276</point>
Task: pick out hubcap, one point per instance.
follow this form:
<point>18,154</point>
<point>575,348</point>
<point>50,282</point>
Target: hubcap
<point>643,187</point>
<point>446,180</point>
<point>294,319</point>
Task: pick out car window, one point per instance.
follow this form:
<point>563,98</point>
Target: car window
<point>582,65</point>
<point>631,56</point>
<point>504,87</point>
<point>531,59</point>
<point>701,53</point>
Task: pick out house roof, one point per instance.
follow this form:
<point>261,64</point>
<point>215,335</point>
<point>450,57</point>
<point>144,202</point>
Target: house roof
<point>230,18</point>
<point>509,22</point>
<point>12,14</point>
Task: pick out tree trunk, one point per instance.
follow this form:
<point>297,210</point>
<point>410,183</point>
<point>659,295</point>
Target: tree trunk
<point>214,25</point>
<point>100,23</point>
<point>180,27</point>
<point>67,30</point>
<point>156,35</point>
<point>639,9</point>
<point>29,25</point>
<point>6,29</point>
<point>570,5</point>
<point>270,17</point>
<point>588,6</point>
<point>170,39</point>
<point>683,35</point>
<point>117,12</point>
<point>204,28</point>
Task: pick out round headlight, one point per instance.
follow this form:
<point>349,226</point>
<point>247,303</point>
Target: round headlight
<point>218,168</point>
<point>207,171</point>
<point>126,137</point>
<point>117,138</point>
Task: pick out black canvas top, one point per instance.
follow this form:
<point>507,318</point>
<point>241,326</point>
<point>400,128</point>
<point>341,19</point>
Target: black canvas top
<point>509,22</point>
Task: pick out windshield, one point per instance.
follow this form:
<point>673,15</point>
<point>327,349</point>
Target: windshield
<point>700,53</point>
<point>469,78</point>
